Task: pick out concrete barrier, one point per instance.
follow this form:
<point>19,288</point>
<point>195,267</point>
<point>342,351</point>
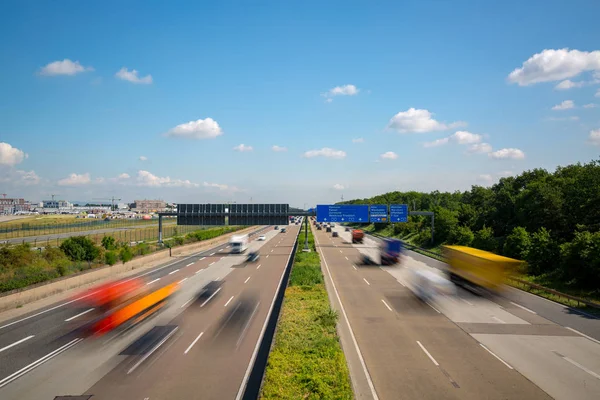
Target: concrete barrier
<point>21,297</point>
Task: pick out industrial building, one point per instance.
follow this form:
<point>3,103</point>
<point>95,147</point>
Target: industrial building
<point>146,206</point>
<point>12,206</point>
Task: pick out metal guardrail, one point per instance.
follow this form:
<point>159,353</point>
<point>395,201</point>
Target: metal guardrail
<point>530,285</point>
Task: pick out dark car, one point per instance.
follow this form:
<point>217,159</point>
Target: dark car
<point>328,229</point>
<point>276,227</point>
<point>347,229</point>
<point>334,234</point>
<point>319,227</point>
<point>283,230</point>
<point>252,256</point>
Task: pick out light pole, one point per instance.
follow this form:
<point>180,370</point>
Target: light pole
<point>306,248</point>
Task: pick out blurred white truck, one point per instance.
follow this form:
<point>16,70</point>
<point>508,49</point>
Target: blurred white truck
<point>238,243</point>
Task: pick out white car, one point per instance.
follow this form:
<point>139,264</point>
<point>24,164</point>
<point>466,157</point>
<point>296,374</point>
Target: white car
<point>262,237</point>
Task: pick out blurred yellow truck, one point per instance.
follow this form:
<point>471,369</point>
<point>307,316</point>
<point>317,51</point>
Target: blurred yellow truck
<point>473,267</point>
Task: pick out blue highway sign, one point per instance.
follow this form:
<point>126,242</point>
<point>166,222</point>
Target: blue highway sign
<point>378,213</point>
<point>398,213</point>
<point>343,213</point>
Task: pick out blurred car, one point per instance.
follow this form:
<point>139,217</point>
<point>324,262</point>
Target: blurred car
<point>334,234</point>
<point>347,229</point>
<point>328,229</point>
<point>283,230</point>
<point>262,237</point>
<point>209,289</point>
<point>319,227</point>
<point>253,256</point>
<point>276,228</point>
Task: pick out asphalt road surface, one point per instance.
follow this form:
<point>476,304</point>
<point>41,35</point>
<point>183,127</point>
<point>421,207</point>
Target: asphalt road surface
<point>457,346</point>
<point>212,346</point>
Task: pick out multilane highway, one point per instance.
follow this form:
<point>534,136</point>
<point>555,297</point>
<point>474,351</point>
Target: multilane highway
<point>458,346</point>
<point>212,348</point>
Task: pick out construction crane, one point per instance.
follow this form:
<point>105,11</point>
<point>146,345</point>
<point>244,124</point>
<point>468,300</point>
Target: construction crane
<point>4,194</point>
<point>112,201</point>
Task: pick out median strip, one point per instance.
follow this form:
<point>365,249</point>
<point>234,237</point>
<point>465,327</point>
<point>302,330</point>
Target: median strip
<point>306,360</point>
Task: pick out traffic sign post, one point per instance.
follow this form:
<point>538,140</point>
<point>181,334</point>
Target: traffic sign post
<point>343,213</point>
<point>378,213</point>
<point>398,213</point>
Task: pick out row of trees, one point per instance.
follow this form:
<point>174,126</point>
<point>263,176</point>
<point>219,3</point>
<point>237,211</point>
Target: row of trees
<point>22,265</point>
<point>549,219</point>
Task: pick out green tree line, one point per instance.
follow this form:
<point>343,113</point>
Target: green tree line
<point>23,265</point>
<point>551,220</point>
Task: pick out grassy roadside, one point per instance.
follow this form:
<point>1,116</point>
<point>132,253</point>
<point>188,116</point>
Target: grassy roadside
<point>306,360</point>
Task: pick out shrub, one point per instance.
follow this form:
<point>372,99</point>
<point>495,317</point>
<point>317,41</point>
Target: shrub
<point>484,239</point>
<point>580,259</point>
<point>125,254</point>
<point>462,236</point>
<point>110,257</point>
<point>80,248</point>
<point>109,243</point>
<point>517,244</point>
<point>543,253</point>
<point>178,240</point>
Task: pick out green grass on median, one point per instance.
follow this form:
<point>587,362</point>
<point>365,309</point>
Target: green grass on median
<point>306,360</point>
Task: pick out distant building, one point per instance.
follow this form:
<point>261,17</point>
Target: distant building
<point>145,206</point>
<point>11,206</point>
<point>56,204</point>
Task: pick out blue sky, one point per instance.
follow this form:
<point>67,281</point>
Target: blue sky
<point>301,75</point>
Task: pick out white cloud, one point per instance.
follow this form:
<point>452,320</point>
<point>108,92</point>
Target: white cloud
<point>485,178</point>
<point>460,137</point>
<point>145,178</point>
<point>437,142</point>
<point>594,137</point>
<point>345,90</point>
<point>278,148</point>
<point>221,187</point>
<point>479,148</point>
<point>19,177</point>
<point>64,67</point>
<point>143,158</point>
<point>75,180</point>
<point>569,84</point>
<point>133,76</point>
<point>338,186</point>
<point>200,129</point>
<point>388,155</point>
<point>553,65</point>
<point>11,155</point>
<point>590,105</point>
<point>464,137</point>
<point>325,152</point>
<point>123,176</point>
<point>242,147</point>
<point>503,154</point>
<point>565,105</point>
<point>419,121</point>
<point>358,140</point>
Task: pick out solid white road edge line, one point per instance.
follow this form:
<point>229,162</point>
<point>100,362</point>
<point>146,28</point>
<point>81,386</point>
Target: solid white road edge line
<point>211,296</point>
<point>148,354</point>
<point>151,282</point>
<point>428,355</point>
<point>358,352</point>
<point>240,392</point>
<point>386,304</point>
<point>492,353</point>
<point>583,334</point>
<point>575,363</point>
<point>75,316</point>
<point>524,308</point>
<point>193,343</point>
<point>38,362</point>
<point>228,301</point>
<point>172,272</point>
<point>16,343</point>
<point>431,305</point>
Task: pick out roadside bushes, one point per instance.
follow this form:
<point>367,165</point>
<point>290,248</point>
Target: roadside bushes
<point>80,248</point>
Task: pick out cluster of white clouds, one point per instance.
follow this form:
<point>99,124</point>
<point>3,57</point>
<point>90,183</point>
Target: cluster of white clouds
<point>10,157</point>
<point>419,121</point>
<point>325,152</point>
<point>242,148</point>
<point>70,68</point>
<point>344,90</point>
<point>565,105</point>
<point>200,129</point>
